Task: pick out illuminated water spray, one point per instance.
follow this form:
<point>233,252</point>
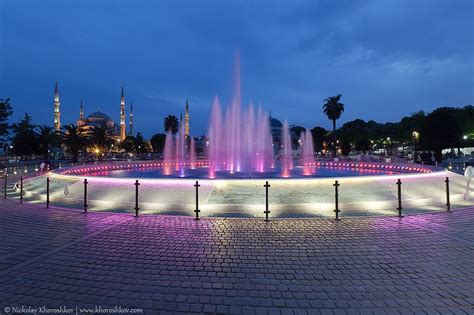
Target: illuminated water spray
<point>239,137</point>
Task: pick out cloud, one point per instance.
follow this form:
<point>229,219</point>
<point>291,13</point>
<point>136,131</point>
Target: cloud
<point>379,54</point>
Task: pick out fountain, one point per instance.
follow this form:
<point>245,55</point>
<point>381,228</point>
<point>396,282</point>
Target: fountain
<point>239,149</point>
<point>286,155</point>
<point>307,152</point>
<point>239,137</point>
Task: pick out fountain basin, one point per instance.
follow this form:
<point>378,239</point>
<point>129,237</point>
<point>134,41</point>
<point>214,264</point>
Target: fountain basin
<point>372,192</point>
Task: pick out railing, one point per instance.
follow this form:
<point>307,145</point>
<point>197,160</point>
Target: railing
<point>266,211</point>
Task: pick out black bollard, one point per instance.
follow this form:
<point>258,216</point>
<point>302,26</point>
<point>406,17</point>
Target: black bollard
<point>85,195</point>
<point>399,208</point>
<point>267,211</point>
<point>47,192</point>
<point>448,204</point>
<point>336,199</point>
<point>21,189</point>
<point>197,201</point>
<point>136,198</point>
<point>5,184</point>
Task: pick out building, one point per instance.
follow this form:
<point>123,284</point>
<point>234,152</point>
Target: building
<point>96,119</point>
<point>276,129</point>
<point>130,123</point>
<point>186,121</point>
<point>123,132</point>
<point>57,113</point>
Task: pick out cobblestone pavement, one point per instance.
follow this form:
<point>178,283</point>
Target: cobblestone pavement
<point>165,264</point>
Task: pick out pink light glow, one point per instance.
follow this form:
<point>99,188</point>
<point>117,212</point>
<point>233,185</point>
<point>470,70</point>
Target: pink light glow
<point>239,137</point>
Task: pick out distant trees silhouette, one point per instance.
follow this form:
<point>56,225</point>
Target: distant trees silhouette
<point>444,128</point>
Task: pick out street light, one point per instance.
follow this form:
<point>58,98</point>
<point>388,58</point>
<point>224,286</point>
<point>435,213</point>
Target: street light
<point>464,137</point>
<point>416,136</point>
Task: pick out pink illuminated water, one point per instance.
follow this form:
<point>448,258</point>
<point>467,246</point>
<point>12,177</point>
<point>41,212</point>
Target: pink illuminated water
<point>239,140</point>
<point>168,156</point>
<point>178,155</point>
<point>307,152</point>
<point>286,152</point>
<point>192,153</point>
<point>239,137</point>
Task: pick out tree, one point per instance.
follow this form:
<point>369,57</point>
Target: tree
<point>100,140</point>
<point>171,124</point>
<point>47,138</point>
<point>141,145</point>
<point>74,140</point>
<point>157,142</point>
<point>319,136</point>
<point>408,125</point>
<point>440,131</point>
<point>128,144</point>
<point>333,109</point>
<point>24,139</point>
<point>345,148</point>
<point>354,131</point>
<point>297,130</point>
<point>5,113</point>
<point>363,145</point>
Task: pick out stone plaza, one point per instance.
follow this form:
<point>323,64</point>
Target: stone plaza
<point>158,264</point>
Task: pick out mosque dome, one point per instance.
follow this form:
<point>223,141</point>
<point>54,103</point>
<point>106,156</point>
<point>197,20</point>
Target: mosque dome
<point>99,116</point>
<point>275,123</point>
<point>99,119</point>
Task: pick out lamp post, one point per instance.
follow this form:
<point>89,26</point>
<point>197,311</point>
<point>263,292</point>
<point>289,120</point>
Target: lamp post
<point>416,136</point>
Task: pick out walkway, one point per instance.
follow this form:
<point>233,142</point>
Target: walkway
<point>160,264</point>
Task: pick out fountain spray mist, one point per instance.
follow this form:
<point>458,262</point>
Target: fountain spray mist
<point>239,138</point>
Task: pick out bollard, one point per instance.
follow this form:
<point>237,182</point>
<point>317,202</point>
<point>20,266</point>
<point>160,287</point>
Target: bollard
<point>197,201</point>
<point>5,184</point>
<point>448,204</point>
<point>267,211</point>
<point>336,199</point>
<point>399,208</point>
<point>136,198</point>
<point>21,189</point>
<point>85,195</point>
<point>47,192</point>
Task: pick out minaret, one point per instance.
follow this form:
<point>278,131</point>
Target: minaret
<point>131,120</point>
<point>57,114</point>
<point>80,121</point>
<point>186,121</point>
<point>122,116</point>
<point>81,111</point>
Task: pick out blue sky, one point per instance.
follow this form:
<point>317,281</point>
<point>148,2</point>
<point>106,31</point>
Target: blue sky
<point>387,58</point>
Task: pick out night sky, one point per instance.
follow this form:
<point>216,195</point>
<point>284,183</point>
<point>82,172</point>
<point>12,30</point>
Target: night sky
<point>387,58</point>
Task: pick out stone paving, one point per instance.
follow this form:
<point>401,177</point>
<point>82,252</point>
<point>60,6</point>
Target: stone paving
<point>421,264</point>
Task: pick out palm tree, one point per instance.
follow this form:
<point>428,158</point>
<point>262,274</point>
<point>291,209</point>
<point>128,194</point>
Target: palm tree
<point>100,140</point>
<point>47,138</point>
<point>128,144</point>
<point>74,140</point>
<point>171,124</point>
<point>333,109</point>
